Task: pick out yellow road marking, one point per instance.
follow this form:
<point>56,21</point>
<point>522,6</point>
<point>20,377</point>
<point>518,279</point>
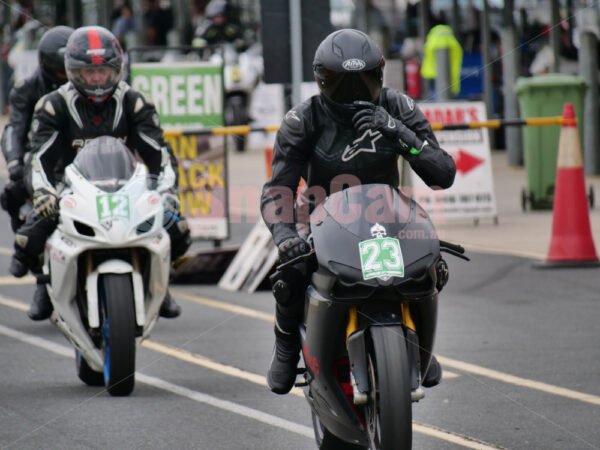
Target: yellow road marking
<point>449,436</point>
<point>518,381</point>
<point>12,281</point>
<point>429,430</point>
<point>199,360</point>
<point>13,304</point>
<point>224,306</point>
<point>446,362</point>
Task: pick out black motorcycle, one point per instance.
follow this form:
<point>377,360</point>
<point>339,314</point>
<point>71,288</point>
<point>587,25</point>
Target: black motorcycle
<point>370,315</point>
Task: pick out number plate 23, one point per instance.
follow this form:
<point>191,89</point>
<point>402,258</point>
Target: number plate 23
<point>381,258</point>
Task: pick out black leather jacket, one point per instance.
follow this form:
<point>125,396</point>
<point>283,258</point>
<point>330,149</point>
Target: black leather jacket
<point>22,99</point>
<point>64,120</point>
<point>318,142</point>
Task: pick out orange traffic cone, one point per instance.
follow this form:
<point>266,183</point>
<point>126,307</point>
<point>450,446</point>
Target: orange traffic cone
<point>572,244</point>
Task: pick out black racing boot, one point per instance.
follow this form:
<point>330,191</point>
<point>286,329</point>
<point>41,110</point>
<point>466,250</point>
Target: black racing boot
<point>40,307</point>
<point>169,308</point>
<point>284,361</point>
<point>434,373</point>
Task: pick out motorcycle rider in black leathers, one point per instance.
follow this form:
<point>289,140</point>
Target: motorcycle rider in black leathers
<point>217,27</point>
<point>93,103</point>
<point>24,95</point>
<point>354,128</point>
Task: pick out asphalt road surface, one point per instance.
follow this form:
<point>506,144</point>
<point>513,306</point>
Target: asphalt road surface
<point>520,348</point>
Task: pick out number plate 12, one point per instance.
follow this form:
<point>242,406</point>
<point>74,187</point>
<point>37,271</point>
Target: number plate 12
<point>381,258</point>
<point>112,205</point>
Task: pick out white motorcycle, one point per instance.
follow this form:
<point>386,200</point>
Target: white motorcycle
<point>242,72</point>
<point>107,263</point>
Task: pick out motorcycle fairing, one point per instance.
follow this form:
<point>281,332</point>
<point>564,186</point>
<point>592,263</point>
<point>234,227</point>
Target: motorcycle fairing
<point>347,217</point>
<point>80,231</point>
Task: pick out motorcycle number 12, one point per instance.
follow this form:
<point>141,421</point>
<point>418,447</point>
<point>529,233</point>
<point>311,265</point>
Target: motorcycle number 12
<point>110,206</point>
<point>381,258</point>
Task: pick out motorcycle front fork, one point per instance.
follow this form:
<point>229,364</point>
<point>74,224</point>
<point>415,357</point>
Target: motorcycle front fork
<point>357,351</point>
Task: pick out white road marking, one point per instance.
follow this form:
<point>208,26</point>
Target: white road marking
<point>260,416</point>
<point>226,405</point>
<point>170,387</point>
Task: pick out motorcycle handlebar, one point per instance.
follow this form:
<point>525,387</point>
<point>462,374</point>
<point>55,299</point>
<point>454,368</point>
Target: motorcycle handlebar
<point>297,259</point>
<point>453,249</point>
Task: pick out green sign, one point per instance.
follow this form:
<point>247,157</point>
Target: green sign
<point>381,258</point>
<point>110,206</point>
<point>186,95</point>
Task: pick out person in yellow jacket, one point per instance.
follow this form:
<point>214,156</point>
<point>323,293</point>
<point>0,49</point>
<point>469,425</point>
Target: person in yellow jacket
<point>440,37</point>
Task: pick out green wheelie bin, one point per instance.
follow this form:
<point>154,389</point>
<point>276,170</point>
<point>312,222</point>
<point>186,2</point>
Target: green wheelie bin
<point>545,96</point>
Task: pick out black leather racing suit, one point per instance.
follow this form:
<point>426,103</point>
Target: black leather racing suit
<point>64,120</point>
<point>317,141</point>
<point>22,99</point>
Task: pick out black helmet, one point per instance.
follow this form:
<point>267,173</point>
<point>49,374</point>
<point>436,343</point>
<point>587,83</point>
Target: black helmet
<point>348,66</point>
<point>51,54</point>
<point>94,48</point>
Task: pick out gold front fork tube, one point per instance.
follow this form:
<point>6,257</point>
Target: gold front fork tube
<point>406,317</point>
<point>352,324</point>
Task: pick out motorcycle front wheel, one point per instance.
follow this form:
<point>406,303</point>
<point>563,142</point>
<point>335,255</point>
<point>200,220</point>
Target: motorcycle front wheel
<point>119,334</point>
<point>328,441</point>
<point>388,413</point>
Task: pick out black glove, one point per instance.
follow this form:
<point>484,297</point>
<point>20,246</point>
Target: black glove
<point>15,169</point>
<point>292,248</point>
<point>375,117</point>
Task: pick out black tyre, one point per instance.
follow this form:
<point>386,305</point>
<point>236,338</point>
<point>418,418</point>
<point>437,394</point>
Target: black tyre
<point>119,333</point>
<point>85,373</point>
<point>328,441</point>
<point>388,412</point>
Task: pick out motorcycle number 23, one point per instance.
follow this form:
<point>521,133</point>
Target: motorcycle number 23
<point>381,258</point>
<point>112,205</point>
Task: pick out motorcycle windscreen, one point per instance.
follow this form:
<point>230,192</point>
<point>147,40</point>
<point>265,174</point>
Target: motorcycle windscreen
<point>349,225</point>
<point>106,162</point>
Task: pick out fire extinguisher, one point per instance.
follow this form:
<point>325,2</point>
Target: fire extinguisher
<point>413,78</point>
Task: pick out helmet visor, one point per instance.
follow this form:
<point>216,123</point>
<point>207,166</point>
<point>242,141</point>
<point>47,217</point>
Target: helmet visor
<point>348,87</point>
<point>96,80</point>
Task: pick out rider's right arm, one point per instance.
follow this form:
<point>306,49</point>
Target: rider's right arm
<point>290,156</point>
<point>14,136</point>
<point>46,141</point>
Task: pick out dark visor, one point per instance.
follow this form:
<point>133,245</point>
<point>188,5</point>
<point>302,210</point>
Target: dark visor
<point>347,87</point>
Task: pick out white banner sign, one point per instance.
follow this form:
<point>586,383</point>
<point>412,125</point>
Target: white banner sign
<point>472,194</point>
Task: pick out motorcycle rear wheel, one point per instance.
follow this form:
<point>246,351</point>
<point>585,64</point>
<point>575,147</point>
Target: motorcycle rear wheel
<point>85,373</point>
<point>119,334</point>
<point>388,412</point>
<point>328,441</point>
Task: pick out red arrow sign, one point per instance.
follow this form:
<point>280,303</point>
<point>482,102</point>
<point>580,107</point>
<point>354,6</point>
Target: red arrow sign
<point>465,162</point>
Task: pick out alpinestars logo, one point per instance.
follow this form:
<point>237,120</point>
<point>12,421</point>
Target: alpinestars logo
<point>365,143</point>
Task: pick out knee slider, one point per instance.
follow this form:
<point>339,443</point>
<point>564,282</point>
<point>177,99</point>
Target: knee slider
<point>288,285</point>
